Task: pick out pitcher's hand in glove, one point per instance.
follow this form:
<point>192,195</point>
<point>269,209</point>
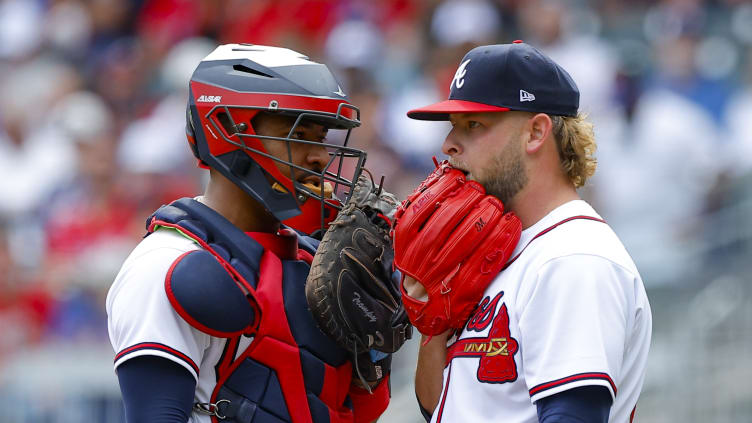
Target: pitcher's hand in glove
<point>351,290</point>
<point>453,239</point>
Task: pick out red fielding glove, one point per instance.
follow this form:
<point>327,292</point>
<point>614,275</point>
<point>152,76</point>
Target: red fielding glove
<point>453,239</point>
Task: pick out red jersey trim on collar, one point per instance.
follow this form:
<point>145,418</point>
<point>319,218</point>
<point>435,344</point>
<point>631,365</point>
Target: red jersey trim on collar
<point>549,229</point>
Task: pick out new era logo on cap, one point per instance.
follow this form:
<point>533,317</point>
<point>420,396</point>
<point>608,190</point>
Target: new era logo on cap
<point>526,96</point>
<point>491,79</point>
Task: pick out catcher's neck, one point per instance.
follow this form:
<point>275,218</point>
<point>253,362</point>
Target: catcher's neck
<point>237,206</point>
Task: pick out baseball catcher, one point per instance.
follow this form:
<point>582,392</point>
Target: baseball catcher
<point>453,239</point>
<point>351,289</point>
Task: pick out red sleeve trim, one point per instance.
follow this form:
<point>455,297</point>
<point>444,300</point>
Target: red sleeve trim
<point>368,407</point>
<point>157,347</point>
<point>574,378</point>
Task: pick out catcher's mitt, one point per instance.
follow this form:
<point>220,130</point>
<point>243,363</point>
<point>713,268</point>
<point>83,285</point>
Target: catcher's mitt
<point>454,239</point>
<point>351,290</point>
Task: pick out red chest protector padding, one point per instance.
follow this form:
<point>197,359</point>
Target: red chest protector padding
<point>233,286</point>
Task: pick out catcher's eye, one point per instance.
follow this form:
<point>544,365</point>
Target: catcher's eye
<point>472,124</point>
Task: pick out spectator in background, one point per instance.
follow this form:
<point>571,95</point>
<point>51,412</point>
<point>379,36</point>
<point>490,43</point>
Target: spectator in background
<point>151,151</point>
<point>569,37</point>
<point>31,155</point>
<point>20,28</point>
<point>89,221</point>
<point>678,32</point>
<point>737,120</point>
<point>25,303</point>
<point>455,26</point>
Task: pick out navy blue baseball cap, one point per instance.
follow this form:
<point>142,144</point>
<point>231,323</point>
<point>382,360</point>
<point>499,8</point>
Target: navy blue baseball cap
<point>503,77</point>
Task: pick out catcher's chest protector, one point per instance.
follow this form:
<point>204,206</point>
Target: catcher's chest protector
<point>291,372</point>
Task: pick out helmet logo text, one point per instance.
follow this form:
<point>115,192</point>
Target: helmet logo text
<point>209,99</point>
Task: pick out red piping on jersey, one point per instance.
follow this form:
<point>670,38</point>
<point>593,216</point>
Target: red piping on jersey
<point>158,347</point>
<point>631,415</point>
<point>443,397</point>
<point>239,280</point>
<point>227,357</point>
<point>574,378</point>
<point>549,229</point>
<point>184,314</point>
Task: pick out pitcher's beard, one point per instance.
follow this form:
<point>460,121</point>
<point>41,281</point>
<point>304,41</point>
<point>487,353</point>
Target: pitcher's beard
<point>504,177</point>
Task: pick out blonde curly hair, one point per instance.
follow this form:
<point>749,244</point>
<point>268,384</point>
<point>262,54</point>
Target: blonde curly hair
<point>576,144</point>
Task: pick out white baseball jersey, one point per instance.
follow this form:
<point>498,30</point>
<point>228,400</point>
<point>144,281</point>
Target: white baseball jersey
<point>570,310</point>
<point>141,320</point>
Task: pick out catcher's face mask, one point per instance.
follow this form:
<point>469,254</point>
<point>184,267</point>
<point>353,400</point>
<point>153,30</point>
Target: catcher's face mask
<point>231,87</point>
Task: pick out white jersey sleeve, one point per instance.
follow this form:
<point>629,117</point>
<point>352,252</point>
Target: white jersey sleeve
<point>573,323</point>
<point>141,320</point>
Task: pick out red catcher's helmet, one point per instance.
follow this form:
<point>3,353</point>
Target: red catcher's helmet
<point>236,82</point>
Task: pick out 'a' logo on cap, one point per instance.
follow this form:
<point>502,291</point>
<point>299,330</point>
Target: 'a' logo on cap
<point>459,76</point>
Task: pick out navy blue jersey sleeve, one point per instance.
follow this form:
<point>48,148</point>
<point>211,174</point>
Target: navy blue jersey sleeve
<point>587,404</point>
<point>156,390</point>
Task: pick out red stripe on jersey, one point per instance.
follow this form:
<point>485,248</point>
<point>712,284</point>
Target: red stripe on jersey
<point>549,229</point>
<point>574,378</point>
<point>157,347</point>
<point>227,357</point>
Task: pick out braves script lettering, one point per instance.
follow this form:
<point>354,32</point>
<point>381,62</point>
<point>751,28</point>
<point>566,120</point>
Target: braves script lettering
<point>484,313</point>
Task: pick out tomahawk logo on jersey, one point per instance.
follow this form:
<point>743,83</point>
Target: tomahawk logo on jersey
<point>496,351</point>
<point>546,325</point>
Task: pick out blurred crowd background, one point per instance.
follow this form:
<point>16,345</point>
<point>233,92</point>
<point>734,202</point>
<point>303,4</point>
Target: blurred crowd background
<point>92,102</point>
